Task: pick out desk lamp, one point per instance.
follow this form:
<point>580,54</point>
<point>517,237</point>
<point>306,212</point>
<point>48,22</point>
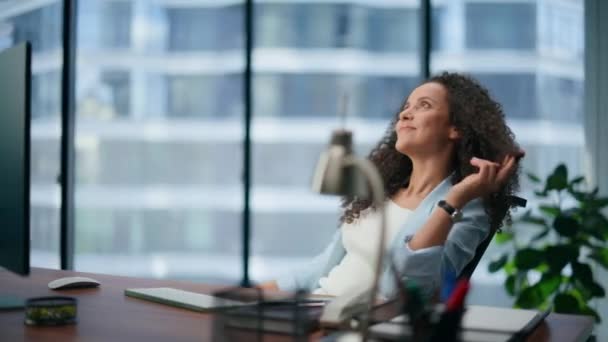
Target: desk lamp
<point>340,172</point>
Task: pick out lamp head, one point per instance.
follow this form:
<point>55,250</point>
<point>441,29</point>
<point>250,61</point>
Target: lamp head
<point>335,173</point>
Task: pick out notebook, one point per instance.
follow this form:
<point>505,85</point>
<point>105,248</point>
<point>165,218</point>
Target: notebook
<point>278,318</point>
<point>479,323</point>
<point>206,303</point>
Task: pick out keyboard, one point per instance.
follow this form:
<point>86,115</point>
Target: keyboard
<point>183,299</point>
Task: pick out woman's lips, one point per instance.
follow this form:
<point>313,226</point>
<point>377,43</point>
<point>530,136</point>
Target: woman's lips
<point>406,128</point>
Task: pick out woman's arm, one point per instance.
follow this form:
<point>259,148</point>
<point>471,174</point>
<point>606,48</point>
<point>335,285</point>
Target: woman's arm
<point>269,286</point>
<point>428,253</point>
<point>489,179</point>
<point>307,276</point>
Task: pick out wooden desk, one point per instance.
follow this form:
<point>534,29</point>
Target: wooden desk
<point>106,314</point>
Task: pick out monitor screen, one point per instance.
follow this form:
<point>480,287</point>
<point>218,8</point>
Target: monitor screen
<point>15,76</point>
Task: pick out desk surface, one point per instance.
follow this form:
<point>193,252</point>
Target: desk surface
<point>106,314</point>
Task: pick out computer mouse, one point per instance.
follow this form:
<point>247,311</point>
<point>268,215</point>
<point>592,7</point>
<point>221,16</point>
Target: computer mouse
<point>72,283</point>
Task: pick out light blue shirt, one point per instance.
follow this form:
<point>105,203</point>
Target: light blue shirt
<point>425,265</point>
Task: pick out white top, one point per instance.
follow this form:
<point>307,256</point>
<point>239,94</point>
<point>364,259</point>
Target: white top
<point>360,240</point>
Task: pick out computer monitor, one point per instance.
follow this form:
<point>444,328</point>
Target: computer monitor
<point>15,77</point>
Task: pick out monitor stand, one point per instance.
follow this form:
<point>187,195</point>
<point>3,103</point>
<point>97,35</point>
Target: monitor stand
<point>11,302</point>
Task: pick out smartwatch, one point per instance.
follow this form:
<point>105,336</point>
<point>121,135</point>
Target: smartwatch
<point>455,214</point>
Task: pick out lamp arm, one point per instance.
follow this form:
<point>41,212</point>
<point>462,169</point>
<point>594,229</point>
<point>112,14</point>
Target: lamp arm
<point>368,169</point>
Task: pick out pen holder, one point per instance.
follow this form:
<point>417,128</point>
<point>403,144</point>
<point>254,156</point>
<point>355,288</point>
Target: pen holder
<point>447,329</point>
<point>283,314</point>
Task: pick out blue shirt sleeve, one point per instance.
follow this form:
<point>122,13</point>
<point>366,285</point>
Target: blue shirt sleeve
<point>426,265</point>
<point>306,277</point>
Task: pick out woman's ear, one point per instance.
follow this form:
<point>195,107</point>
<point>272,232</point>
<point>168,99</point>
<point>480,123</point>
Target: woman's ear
<point>454,133</point>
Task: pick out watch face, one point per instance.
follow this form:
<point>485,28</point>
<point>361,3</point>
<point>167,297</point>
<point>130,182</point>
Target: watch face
<point>457,216</point>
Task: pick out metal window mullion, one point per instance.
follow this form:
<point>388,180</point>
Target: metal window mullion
<point>247,103</point>
<point>66,175</point>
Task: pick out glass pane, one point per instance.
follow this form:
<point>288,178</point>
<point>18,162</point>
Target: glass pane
<point>40,23</point>
<point>530,56</point>
<point>158,139</point>
<point>308,56</point>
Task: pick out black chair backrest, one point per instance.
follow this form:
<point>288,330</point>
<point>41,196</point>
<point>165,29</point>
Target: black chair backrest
<point>468,270</point>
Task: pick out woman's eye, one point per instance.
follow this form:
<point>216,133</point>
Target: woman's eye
<point>426,105</point>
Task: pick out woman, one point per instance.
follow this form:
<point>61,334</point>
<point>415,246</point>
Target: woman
<point>448,153</point>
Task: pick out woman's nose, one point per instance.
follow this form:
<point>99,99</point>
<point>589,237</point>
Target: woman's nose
<point>405,115</point>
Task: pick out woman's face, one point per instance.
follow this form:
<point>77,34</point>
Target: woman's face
<point>424,123</point>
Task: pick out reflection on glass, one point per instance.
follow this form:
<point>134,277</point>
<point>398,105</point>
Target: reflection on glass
<point>40,24</point>
<point>307,57</point>
<point>530,55</point>
<point>158,139</point>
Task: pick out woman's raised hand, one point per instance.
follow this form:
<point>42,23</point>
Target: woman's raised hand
<point>489,178</point>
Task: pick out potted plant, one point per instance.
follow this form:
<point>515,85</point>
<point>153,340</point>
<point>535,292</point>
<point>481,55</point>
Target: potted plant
<point>554,245</point>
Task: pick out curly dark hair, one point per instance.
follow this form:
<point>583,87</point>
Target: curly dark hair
<point>484,134</point>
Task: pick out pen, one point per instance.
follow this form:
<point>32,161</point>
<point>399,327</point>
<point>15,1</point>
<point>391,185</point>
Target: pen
<point>456,300</point>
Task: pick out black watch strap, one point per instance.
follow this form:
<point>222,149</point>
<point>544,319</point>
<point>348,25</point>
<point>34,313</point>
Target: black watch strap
<point>454,213</point>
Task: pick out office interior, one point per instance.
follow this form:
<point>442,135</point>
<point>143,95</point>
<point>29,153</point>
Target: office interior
<point>188,130</point>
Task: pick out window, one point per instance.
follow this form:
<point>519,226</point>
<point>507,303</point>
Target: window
<point>318,25</point>
<point>205,96</point>
<point>118,86</point>
<point>307,56</point>
<point>46,101</point>
<point>393,30</point>
<point>158,140</point>
<point>116,20</point>
<point>515,92</point>
<point>533,66</point>
<point>214,28</point>
<point>490,26</point>
<point>40,26</point>
<point>562,98</point>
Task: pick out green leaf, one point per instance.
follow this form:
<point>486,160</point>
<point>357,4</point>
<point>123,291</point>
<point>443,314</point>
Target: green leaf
<point>549,283</point>
<point>510,267</point>
<point>580,291</point>
<point>527,217</point>
<point>497,264</point>
<point>558,180</point>
<point>600,255</point>
<point>598,203</point>
<point>510,284</point>
<point>540,235</point>
<point>578,195</point>
<point>579,296</point>
<point>587,310</point>
<point>576,180</point>
<point>528,258</point>
<point>565,303</point>
<point>582,272</point>
<point>532,177</point>
<point>558,256</point>
<point>502,238</point>
<point>531,297</point>
<point>596,225</point>
<point>602,202</point>
<point>583,278</point>
<point>550,210</point>
<point>566,225</point>
<point>596,290</point>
